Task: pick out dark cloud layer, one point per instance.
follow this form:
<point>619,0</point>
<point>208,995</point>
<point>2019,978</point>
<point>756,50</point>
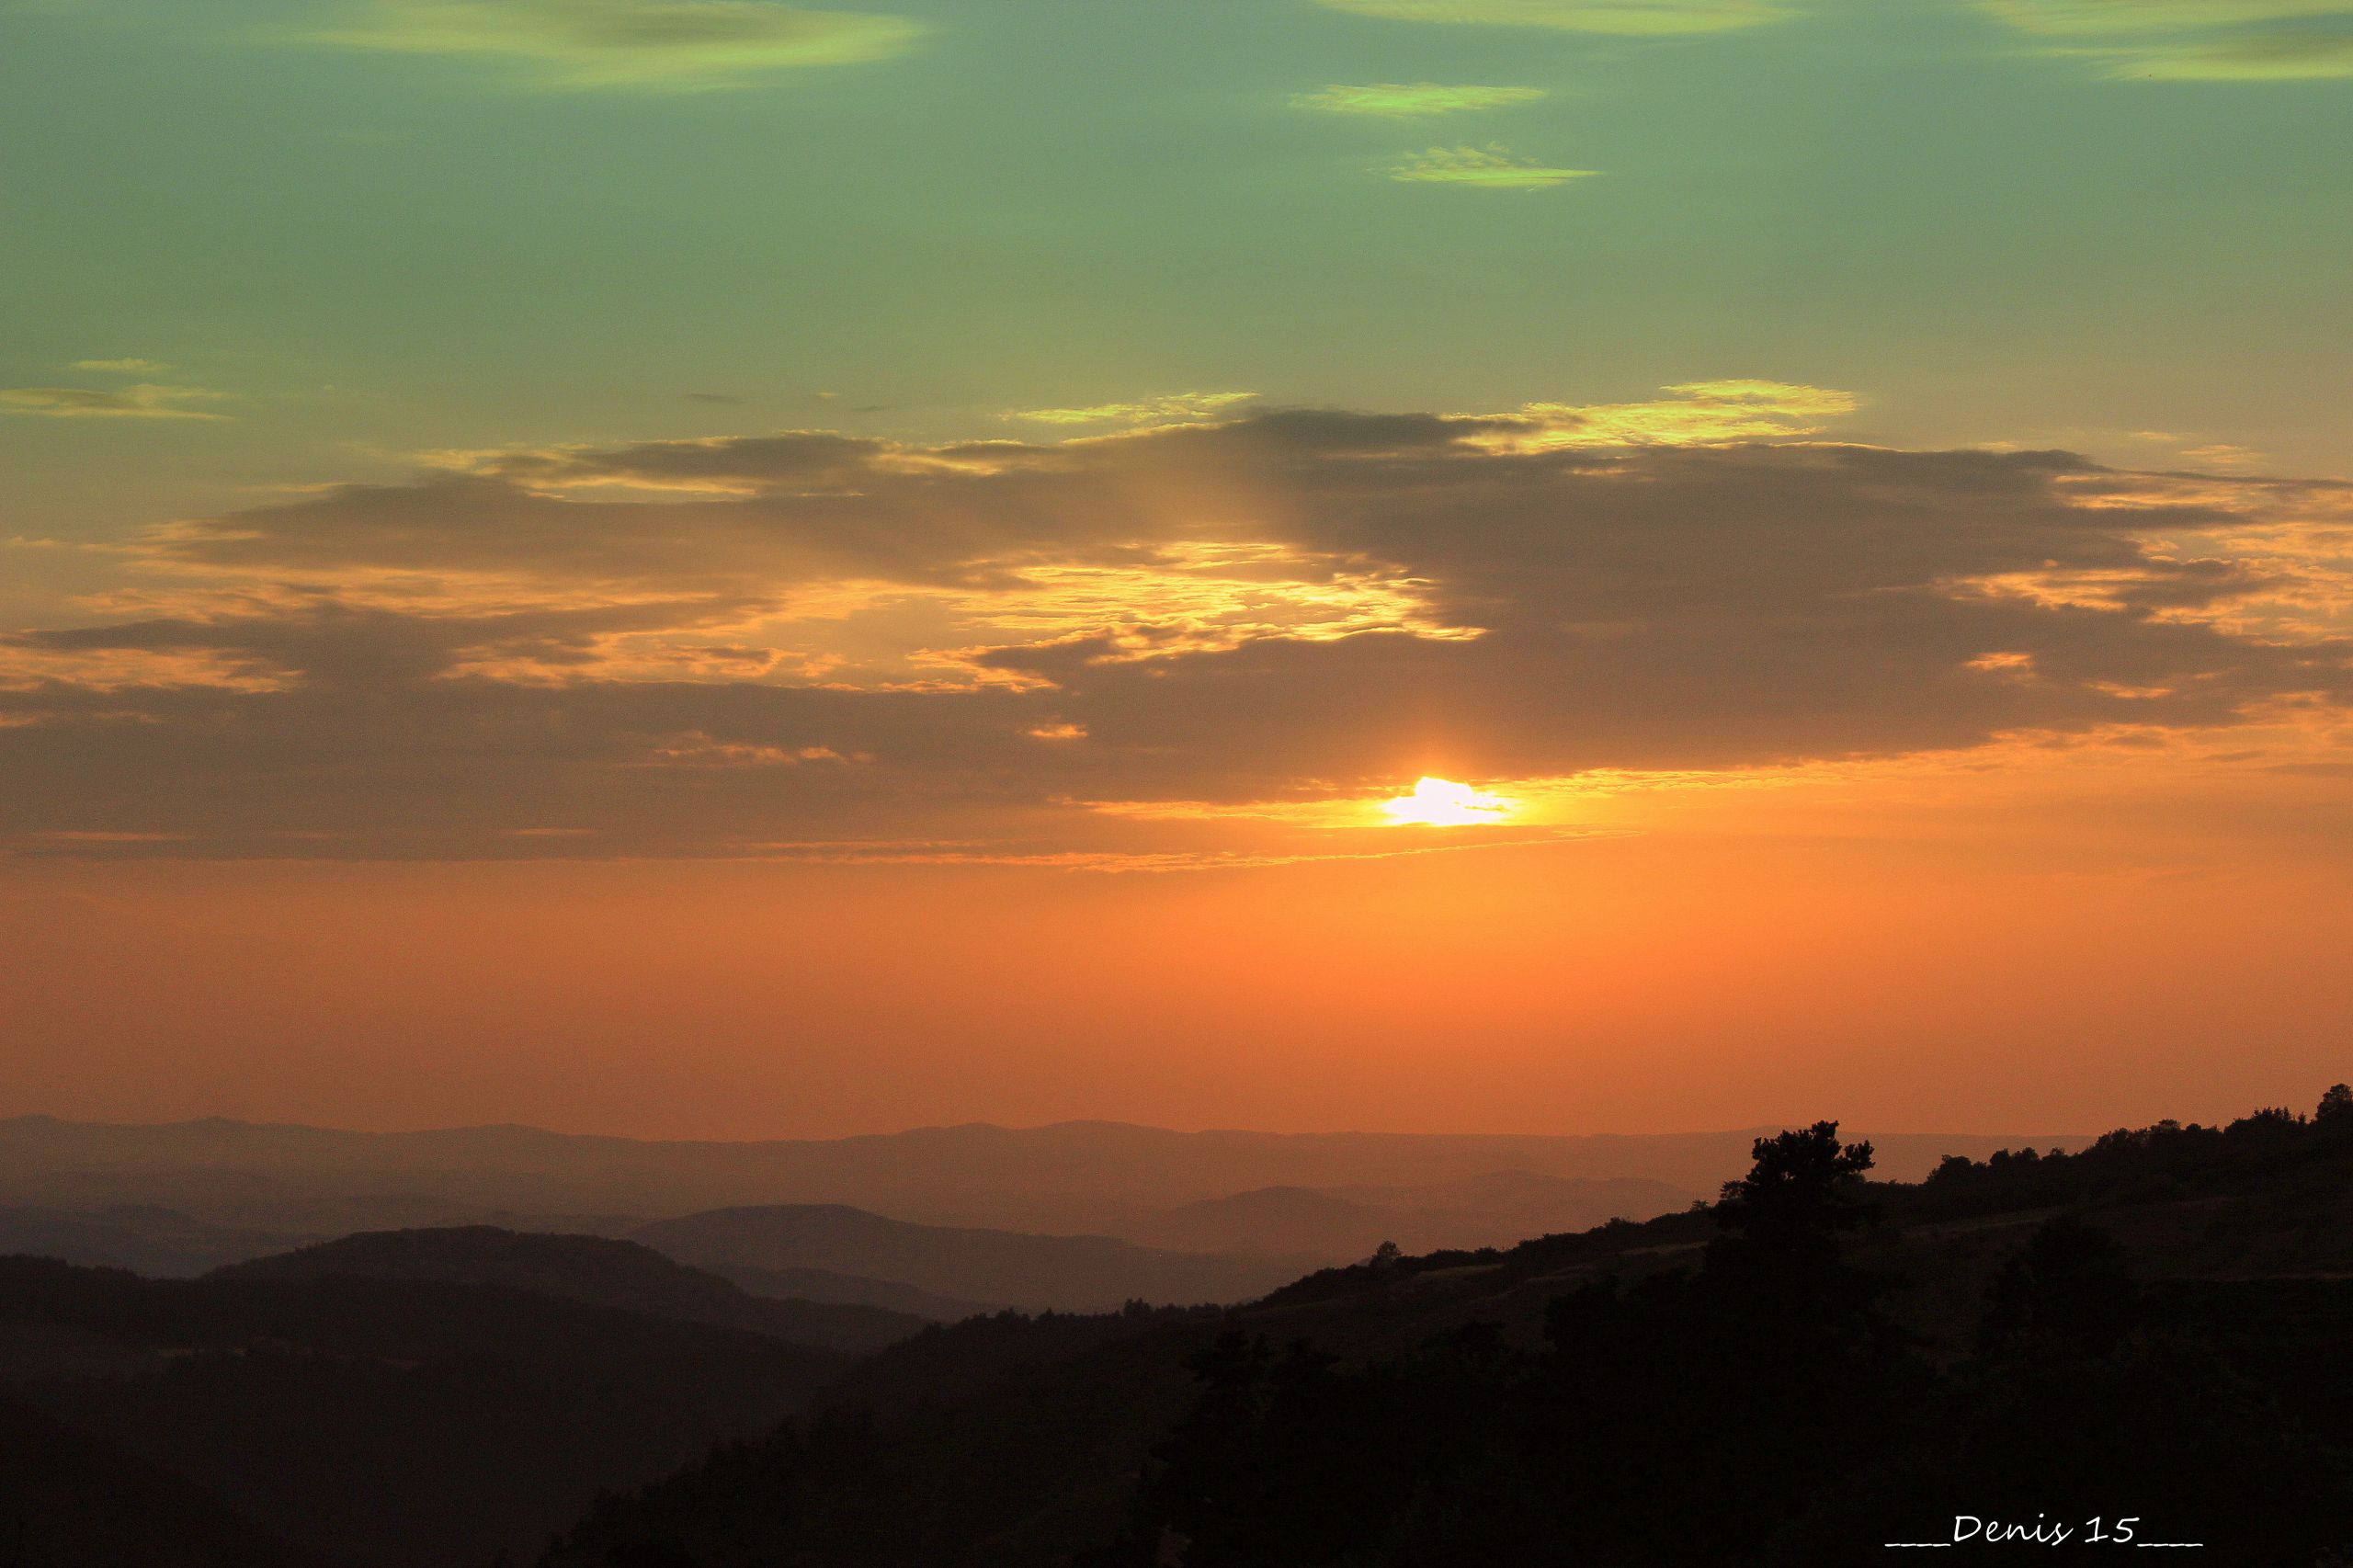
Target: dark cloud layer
<point>572,651</point>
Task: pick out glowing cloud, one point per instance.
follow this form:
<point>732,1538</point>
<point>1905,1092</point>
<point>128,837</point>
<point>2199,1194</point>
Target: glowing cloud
<point>1177,409</point>
<point>1698,414</point>
<point>1441,802</point>
<point>1491,167</point>
<point>142,401</point>
<point>1630,17</point>
<point>1413,100</point>
<point>631,43</point>
<point>2137,18</point>
<point>2193,40</point>
<point>1046,648</point>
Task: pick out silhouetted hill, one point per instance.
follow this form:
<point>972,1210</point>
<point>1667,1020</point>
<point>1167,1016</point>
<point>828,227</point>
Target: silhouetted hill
<point>1065,1273</point>
<point>378,1423</point>
<point>596,1269</point>
<point>2160,1326</point>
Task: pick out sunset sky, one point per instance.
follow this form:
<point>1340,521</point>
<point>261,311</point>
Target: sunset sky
<point>701,568</point>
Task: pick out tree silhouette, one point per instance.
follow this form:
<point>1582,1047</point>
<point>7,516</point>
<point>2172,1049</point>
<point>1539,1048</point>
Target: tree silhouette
<point>2068,1291</point>
<point>2335,1110</point>
<point>1783,1225</point>
<point>1802,1183</point>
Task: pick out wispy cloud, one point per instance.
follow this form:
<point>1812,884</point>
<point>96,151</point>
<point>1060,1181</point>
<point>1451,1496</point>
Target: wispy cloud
<point>672,44</point>
<point>1176,408</point>
<point>1697,414</point>
<point>1413,100</point>
<point>142,401</point>
<point>2193,40</point>
<point>123,367</point>
<point>1491,167</point>
<point>1118,862</point>
<point>1624,18</point>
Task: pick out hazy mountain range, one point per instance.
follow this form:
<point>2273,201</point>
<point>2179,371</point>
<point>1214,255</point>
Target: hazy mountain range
<point>237,1190</point>
<point>996,1267</point>
<point>935,1224</point>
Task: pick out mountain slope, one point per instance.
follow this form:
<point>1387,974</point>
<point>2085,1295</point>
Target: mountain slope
<point>385,1423</point>
<point>596,1269</point>
<point>1058,1273</point>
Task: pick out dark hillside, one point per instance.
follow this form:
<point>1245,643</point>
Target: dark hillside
<point>385,1423</point>
<point>66,1501</point>
<point>2155,1327</point>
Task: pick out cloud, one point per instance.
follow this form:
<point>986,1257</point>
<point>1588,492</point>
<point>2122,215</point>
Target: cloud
<point>142,401</point>
<point>124,367</point>
<point>629,43</point>
<point>2193,40</point>
<point>1698,414</point>
<point>1633,18</point>
<point>1178,408</point>
<point>1413,100</point>
<point>853,645</point>
<point>2139,18</point>
<point>1491,167</point>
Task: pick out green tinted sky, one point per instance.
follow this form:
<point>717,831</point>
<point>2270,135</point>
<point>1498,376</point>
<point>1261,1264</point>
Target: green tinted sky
<point>1988,223</point>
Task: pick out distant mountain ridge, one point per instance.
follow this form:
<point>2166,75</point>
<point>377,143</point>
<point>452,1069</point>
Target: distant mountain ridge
<point>801,1284</point>
<point>1006,1267</point>
<point>1068,1178</point>
<point>1342,1225</point>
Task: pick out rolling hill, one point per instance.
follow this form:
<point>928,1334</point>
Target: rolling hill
<point>596,1269</point>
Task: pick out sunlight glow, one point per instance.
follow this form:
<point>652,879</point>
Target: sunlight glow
<point>1441,802</point>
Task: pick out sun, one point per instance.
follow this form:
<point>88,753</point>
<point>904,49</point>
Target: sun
<point>1441,802</point>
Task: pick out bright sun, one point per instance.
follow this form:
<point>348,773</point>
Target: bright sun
<point>1441,802</point>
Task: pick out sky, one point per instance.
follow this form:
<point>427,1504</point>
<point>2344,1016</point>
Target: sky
<point>710,568</point>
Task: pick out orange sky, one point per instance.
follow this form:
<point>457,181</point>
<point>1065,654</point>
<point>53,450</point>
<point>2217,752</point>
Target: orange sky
<point>811,784</point>
<point>2100,943</point>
